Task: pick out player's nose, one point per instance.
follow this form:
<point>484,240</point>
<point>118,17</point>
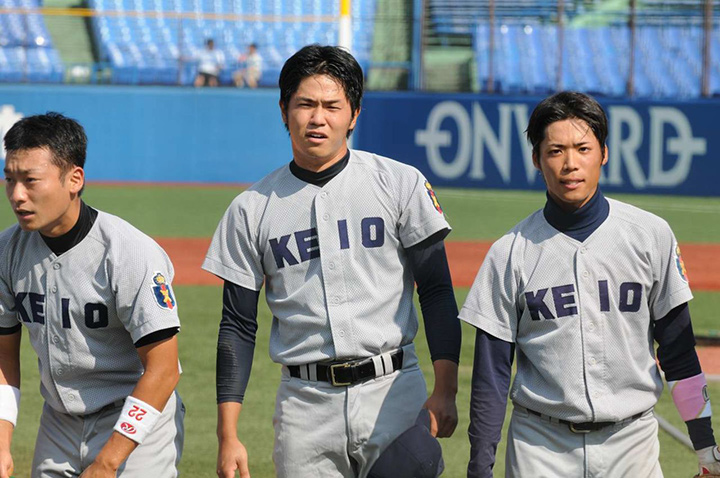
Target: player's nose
<point>16,193</point>
<point>318,116</point>
<point>571,160</point>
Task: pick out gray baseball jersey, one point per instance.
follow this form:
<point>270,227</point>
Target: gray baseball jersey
<point>580,313</point>
<point>85,309</point>
<point>332,257</point>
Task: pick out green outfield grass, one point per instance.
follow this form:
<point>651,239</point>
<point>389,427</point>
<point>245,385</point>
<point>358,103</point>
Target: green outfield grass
<point>170,211</point>
<point>194,212</point>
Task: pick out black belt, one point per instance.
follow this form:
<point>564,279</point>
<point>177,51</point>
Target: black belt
<point>341,374</point>
<point>585,427</point>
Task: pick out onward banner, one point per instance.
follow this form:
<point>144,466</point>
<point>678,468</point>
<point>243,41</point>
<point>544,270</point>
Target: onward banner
<point>472,141</point>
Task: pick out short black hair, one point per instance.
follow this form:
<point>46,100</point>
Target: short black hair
<point>562,106</point>
<point>64,137</point>
<point>316,59</point>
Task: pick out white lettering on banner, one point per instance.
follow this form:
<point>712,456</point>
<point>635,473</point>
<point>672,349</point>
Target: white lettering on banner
<point>476,135</point>
<point>8,117</point>
<point>624,150</point>
<point>479,134</point>
<point>433,138</point>
<point>684,145</point>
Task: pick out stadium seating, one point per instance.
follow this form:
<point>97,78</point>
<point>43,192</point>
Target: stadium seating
<point>595,60</point>
<point>158,46</point>
<point>26,49</point>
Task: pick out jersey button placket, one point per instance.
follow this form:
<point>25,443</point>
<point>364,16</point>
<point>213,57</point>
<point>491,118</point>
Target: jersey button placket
<point>332,274</point>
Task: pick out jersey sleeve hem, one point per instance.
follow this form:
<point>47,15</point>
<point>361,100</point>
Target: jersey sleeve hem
<point>10,330</point>
<point>232,275</point>
<point>157,323</point>
<point>424,231</point>
<point>677,298</point>
<point>490,326</point>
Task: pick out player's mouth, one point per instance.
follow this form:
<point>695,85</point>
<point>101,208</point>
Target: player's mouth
<point>316,138</point>
<point>572,183</point>
<point>23,214</point>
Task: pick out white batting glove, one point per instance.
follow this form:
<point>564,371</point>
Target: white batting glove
<point>709,461</point>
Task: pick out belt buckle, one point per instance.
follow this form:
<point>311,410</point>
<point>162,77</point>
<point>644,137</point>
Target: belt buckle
<point>334,367</point>
<point>578,430</point>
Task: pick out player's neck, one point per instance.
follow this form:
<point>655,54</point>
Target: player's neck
<point>322,177</point>
<point>63,243</point>
<point>317,165</point>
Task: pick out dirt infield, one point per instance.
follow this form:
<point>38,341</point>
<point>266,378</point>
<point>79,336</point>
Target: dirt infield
<point>701,260</point>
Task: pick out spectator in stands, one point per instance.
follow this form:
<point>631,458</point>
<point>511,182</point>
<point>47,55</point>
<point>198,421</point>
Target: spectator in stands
<point>253,68</point>
<point>210,62</point>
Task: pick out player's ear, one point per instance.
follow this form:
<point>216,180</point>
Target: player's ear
<point>536,161</point>
<point>605,156</point>
<point>76,179</point>
<point>283,112</point>
<point>354,120</point>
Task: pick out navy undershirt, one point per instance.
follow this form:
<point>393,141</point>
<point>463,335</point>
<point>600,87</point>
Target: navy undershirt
<point>428,262</point>
<point>494,357</point>
<point>61,244</point>
<point>581,223</point>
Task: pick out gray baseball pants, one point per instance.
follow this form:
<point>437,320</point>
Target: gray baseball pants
<point>539,448</point>
<point>67,444</point>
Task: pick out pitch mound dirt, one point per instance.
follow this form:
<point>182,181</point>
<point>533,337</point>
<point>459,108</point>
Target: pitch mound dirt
<point>701,260</point>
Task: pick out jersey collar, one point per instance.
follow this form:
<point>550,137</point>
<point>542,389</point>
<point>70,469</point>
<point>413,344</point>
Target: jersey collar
<point>579,224</point>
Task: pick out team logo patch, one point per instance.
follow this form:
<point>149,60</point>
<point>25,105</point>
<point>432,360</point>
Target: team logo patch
<point>163,294</point>
<point>433,197</point>
<point>680,264</point>
<point>127,428</point>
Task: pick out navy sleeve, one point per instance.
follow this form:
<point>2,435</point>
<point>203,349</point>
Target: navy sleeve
<point>678,359</point>
<point>492,369</point>
<point>157,336</point>
<point>429,266</point>
<point>236,342</point>
<point>10,330</point>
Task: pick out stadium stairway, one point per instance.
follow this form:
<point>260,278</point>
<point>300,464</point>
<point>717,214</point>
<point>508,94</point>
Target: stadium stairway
<point>391,43</point>
<point>70,34</point>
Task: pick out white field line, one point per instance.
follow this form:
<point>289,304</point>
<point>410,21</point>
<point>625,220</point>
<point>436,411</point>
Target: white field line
<point>528,197</point>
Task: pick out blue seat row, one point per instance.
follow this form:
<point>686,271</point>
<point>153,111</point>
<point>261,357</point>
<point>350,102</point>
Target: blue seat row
<point>22,30</point>
<point>26,49</point>
<point>163,48</point>
<point>595,60</point>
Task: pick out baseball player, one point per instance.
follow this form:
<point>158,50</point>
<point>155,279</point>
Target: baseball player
<point>337,236</point>
<point>579,290</point>
<point>94,295</point>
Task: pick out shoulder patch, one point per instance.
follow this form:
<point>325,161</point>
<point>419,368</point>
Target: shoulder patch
<point>433,197</point>
<point>680,264</point>
<point>163,293</point>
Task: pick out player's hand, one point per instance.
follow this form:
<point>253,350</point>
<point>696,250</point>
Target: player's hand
<point>443,414</point>
<point>6,464</point>
<point>232,457</point>
<point>96,470</point>
<point>708,462</point>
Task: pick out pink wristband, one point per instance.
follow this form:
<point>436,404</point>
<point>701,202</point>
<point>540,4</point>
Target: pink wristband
<point>691,397</point>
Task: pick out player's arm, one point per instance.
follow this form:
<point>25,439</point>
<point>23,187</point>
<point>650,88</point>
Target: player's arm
<point>9,394</point>
<point>428,262</point>
<point>148,399</point>
<point>492,369</point>
<point>235,349</point>
<point>688,387</point>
